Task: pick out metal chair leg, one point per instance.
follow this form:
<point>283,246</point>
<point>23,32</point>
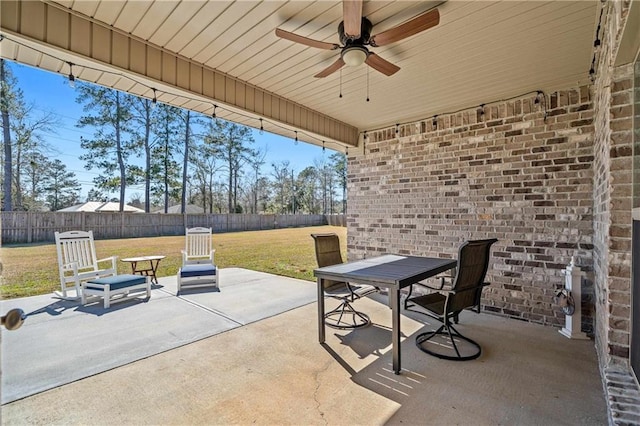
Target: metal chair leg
<point>360,319</point>
<point>452,333</point>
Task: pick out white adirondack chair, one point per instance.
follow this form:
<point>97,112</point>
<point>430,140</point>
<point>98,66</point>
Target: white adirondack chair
<point>198,266</point>
<point>80,271</point>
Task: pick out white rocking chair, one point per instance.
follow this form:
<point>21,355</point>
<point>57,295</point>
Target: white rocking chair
<point>198,267</point>
<point>80,272</point>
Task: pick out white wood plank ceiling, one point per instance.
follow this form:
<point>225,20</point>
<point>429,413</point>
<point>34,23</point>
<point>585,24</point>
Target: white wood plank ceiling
<point>481,51</point>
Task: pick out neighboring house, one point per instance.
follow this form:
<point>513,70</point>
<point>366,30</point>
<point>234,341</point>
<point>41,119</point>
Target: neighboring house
<point>99,206</point>
<point>188,209</point>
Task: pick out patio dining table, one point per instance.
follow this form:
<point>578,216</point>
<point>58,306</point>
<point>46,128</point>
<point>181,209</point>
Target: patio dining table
<point>390,271</point>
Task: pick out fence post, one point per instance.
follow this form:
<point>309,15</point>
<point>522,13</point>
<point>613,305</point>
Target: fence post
<point>29,228</point>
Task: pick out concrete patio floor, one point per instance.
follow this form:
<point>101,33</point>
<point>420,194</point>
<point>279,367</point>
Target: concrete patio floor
<point>273,371</point>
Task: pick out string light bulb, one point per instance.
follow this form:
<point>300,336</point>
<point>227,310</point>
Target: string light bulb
<point>72,78</point>
<point>538,95</point>
<point>154,101</point>
<point>261,127</point>
<point>296,141</point>
<point>397,129</point>
<point>323,147</point>
<point>214,111</point>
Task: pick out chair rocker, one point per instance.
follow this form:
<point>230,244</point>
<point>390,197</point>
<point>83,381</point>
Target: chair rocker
<point>198,268</point>
<point>80,272</point>
<point>445,305</point>
<point>344,316</point>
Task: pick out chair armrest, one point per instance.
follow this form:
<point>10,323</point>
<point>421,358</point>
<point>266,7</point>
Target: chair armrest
<point>211,255</point>
<point>435,286</point>
<point>475,288</point>
<point>443,281</point>
<point>113,260</point>
<point>71,266</point>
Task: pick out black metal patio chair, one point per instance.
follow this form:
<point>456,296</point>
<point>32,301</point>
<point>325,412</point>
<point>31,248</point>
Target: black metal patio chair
<point>344,316</point>
<point>445,304</point>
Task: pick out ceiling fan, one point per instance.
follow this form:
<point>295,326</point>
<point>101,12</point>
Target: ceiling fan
<point>355,35</point>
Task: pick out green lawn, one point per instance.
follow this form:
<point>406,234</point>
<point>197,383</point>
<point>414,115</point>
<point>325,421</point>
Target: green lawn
<point>30,270</point>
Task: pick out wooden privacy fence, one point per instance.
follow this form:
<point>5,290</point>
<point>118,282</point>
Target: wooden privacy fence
<point>31,227</point>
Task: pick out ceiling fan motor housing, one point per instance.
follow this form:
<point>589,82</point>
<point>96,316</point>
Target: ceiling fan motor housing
<point>365,34</point>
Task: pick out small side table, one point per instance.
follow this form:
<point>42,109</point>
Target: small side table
<point>148,270</point>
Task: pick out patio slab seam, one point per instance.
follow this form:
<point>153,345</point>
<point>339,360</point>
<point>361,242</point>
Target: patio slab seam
<point>198,305</point>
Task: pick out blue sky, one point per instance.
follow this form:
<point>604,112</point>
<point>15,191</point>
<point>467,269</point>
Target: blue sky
<point>50,92</point>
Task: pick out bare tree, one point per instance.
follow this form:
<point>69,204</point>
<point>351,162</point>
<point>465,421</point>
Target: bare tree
<point>256,161</point>
<point>232,142</point>
<point>27,128</point>
<point>282,186</point>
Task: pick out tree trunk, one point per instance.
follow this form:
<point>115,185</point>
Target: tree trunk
<point>185,164</point>
<point>165,168</point>
<point>123,175</point>
<point>147,153</point>
<point>17,176</point>
<point>8,178</point>
<point>230,192</point>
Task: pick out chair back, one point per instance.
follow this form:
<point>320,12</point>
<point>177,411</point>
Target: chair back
<point>473,262</point>
<point>327,249</point>
<point>76,247</point>
<point>197,244</point>
<point>328,253</point>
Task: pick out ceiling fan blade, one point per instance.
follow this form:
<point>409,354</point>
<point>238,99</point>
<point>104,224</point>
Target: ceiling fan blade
<point>306,41</point>
<point>382,65</point>
<point>330,69</point>
<point>352,17</point>
<point>413,26</point>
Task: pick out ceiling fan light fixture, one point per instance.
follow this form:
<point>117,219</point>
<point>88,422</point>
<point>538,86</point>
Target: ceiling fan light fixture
<point>354,56</point>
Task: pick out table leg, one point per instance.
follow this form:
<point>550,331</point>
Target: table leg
<point>321,336</point>
<point>394,296</point>
<point>154,268</point>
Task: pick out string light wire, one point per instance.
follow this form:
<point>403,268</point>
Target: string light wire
<point>539,95</point>
<point>72,77</point>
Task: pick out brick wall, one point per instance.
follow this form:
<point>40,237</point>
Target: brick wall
<point>505,172</point>
<point>613,202</point>
<point>613,188</point>
<point>613,207</point>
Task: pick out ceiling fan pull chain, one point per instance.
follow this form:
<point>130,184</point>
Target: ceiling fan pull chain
<point>341,83</point>
<point>367,84</point>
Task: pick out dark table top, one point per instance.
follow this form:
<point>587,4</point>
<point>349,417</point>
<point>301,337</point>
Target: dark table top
<point>388,270</point>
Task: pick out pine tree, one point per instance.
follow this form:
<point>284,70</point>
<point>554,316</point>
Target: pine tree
<point>109,114</point>
<point>60,185</point>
